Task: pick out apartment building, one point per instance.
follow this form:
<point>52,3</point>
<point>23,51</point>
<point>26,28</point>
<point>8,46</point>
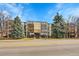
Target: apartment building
<point>77,27</point>
<point>32,29</point>
<point>5,28</point>
<point>49,30</point>
<point>71,30</point>
<point>37,29</point>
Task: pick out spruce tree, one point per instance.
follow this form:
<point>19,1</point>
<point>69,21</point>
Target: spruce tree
<point>58,26</point>
<point>17,31</point>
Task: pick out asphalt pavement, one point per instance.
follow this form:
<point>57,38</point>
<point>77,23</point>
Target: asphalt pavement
<point>46,50</point>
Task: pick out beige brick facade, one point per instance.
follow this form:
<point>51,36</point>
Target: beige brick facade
<point>39,29</point>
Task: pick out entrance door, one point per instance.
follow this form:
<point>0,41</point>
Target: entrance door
<point>37,35</point>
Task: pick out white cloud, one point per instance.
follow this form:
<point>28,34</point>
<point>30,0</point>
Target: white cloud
<point>63,10</point>
<point>53,11</point>
<point>59,6</point>
<point>12,9</point>
<point>5,12</point>
<point>73,11</point>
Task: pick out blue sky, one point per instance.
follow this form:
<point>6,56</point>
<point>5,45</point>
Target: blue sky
<point>40,11</point>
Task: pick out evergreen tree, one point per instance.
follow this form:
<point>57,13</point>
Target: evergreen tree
<point>58,26</point>
<point>17,31</point>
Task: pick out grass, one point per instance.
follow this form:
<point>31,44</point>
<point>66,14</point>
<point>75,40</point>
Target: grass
<point>16,39</point>
<point>50,38</point>
<point>41,39</point>
<point>26,39</point>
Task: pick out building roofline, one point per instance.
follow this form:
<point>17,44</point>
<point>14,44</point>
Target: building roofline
<point>38,21</point>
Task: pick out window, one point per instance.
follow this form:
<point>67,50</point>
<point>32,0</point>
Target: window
<point>43,27</point>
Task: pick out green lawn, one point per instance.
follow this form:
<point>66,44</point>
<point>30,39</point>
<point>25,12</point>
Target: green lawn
<point>41,39</point>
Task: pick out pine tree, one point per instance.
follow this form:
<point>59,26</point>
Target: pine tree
<point>17,31</point>
<point>58,26</point>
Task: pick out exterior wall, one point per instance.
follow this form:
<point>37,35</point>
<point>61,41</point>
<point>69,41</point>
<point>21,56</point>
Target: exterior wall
<point>77,27</point>
<point>41,29</point>
<point>37,27</point>
<point>76,31</point>
<point>72,30</point>
<point>50,30</point>
<point>0,34</point>
<point>30,27</point>
<point>23,28</point>
<point>44,29</point>
<point>6,28</point>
